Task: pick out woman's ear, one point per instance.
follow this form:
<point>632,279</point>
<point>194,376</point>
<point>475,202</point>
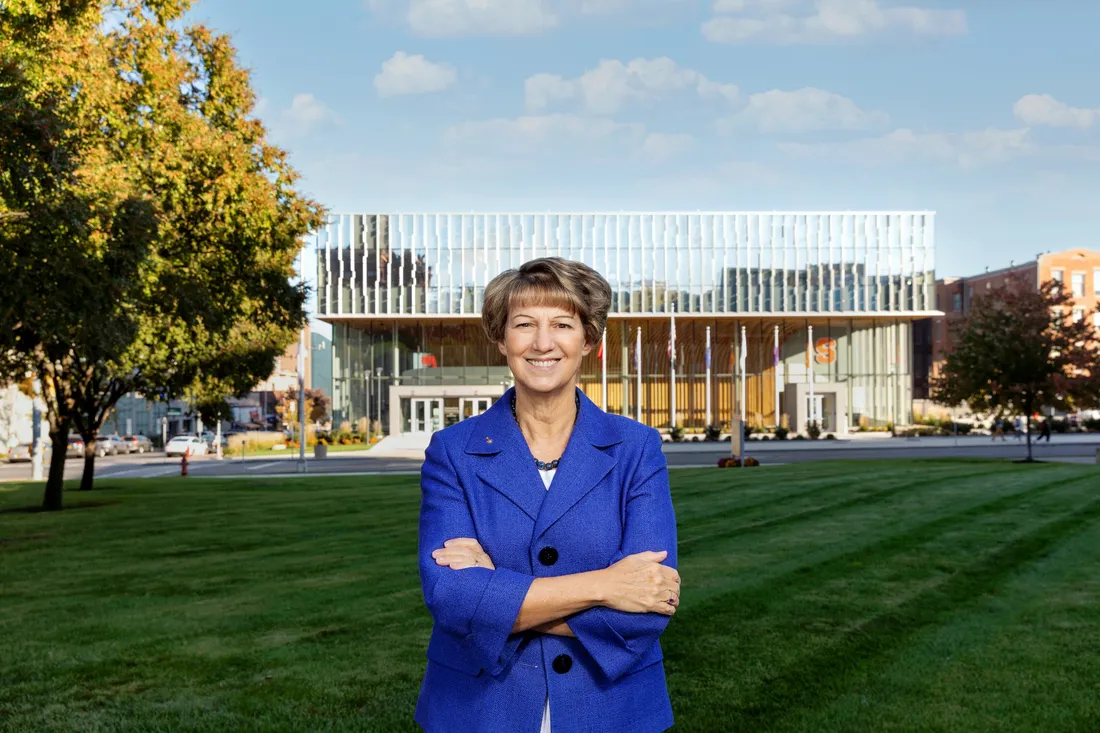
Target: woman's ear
<point>503,349</point>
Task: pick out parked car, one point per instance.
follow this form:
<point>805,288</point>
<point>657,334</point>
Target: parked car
<point>104,446</point>
<point>138,443</point>
<point>181,444</point>
<point>75,448</point>
<point>22,452</point>
<point>121,446</point>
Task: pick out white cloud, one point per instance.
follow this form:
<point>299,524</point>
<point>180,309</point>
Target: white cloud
<point>545,129</point>
<point>305,114</point>
<point>964,149</point>
<point>480,17</point>
<point>1043,109</point>
<point>827,21</point>
<point>660,145</point>
<point>403,74</point>
<point>805,110</point>
<point>611,84</point>
<point>439,18</point>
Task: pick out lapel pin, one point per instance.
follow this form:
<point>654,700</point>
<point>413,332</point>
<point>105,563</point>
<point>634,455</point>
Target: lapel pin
<point>489,441</point>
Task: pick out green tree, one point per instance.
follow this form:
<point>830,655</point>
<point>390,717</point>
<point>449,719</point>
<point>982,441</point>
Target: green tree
<point>1019,349</point>
<point>157,228</point>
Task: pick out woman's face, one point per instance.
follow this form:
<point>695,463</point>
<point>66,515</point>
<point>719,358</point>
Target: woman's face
<point>544,346</point>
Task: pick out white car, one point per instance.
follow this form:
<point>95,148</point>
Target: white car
<point>181,444</point>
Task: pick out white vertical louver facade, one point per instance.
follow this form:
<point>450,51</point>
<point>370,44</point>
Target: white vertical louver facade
<point>711,263</point>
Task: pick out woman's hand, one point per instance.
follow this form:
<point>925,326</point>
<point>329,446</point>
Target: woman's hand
<point>462,552</point>
<point>640,584</point>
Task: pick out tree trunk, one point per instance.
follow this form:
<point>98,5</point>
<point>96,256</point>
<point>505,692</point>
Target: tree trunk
<point>55,481</point>
<point>89,463</point>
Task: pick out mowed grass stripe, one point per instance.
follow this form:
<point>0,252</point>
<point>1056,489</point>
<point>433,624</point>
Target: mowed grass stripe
<point>966,667</point>
<point>795,632</point>
<point>294,604</point>
<point>828,672</point>
<point>811,569</point>
<point>860,496</point>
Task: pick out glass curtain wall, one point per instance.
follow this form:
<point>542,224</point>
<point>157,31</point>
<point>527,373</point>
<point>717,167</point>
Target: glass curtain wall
<point>439,264</point>
<point>871,359</point>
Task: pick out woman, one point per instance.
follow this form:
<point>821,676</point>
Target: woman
<point>547,536</point>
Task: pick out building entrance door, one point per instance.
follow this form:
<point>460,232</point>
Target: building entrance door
<point>426,415</point>
<point>473,406</point>
<point>822,407</point>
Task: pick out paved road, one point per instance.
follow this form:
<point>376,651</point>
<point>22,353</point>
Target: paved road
<point>1072,448</point>
<point>1064,448</point>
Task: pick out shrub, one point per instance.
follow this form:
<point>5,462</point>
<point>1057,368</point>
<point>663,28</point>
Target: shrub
<point>676,433</point>
<point>1059,426</point>
<point>750,462</point>
<point>799,436</point>
<point>729,462</point>
<point>830,436</point>
<point>781,433</point>
<point>1092,424</point>
<point>813,430</point>
<point>713,432</point>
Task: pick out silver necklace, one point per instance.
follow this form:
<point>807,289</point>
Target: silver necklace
<point>551,465</point>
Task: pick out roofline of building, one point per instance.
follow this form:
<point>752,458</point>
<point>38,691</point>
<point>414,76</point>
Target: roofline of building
<point>800,315</point>
<point>991,273</point>
<point>649,212</point>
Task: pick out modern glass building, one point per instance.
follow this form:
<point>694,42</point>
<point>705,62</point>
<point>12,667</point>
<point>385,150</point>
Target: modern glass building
<point>777,316</point>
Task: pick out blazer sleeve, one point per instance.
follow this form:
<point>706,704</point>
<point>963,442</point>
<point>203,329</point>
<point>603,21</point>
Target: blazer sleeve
<point>617,639</point>
<point>478,605</point>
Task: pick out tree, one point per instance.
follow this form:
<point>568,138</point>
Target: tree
<point>317,406</point>
<point>1017,350</point>
<point>158,228</point>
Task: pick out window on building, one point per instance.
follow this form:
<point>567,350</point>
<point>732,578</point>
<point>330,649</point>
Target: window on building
<point>1096,282</point>
<point>1096,320</point>
<point>1078,280</point>
<point>1056,275</point>
<point>1078,315</point>
<point>956,302</point>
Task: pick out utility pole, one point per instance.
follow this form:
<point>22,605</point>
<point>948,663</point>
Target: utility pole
<point>302,379</point>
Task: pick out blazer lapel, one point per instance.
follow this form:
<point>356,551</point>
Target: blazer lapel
<point>508,466</point>
<point>583,465</point>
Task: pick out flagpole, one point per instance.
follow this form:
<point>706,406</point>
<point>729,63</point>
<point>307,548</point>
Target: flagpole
<point>708,377</point>
<point>812,352</point>
<point>603,368</point>
<point>775,367</point>
<point>638,369</point>
<point>672,364</point>
<point>744,349</point>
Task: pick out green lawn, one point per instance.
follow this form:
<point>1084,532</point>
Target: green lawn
<point>826,598</point>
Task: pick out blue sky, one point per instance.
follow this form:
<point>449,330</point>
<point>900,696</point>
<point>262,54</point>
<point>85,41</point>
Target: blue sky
<point>986,112</point>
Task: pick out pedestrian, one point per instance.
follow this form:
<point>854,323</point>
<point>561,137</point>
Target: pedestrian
<point>547,535</point>
<point>998,429</point>
<point>1017,427</point>
<point>1044,430</point>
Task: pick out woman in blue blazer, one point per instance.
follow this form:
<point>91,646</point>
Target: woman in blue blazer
<point>547,536</point>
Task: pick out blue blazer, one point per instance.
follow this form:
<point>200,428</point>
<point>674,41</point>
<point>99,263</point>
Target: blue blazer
<point>609,499</point>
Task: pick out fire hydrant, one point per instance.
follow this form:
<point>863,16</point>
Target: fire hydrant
<point>183,463</point>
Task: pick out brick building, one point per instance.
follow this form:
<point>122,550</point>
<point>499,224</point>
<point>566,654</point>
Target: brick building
<point>1077,269</point>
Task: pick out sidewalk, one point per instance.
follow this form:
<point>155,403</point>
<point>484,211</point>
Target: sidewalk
<point>885,442</point>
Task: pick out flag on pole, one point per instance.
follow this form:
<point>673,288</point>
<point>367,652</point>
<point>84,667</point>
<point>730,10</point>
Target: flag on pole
<point>775,355</point>
<point>707,356</point>
<point>599,352</point>
<point>744,349</point>
<point>672,342</point>
<point>638,351</point>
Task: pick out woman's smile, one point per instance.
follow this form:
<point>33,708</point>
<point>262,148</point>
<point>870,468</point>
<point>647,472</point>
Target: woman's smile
<point>543,365</point>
